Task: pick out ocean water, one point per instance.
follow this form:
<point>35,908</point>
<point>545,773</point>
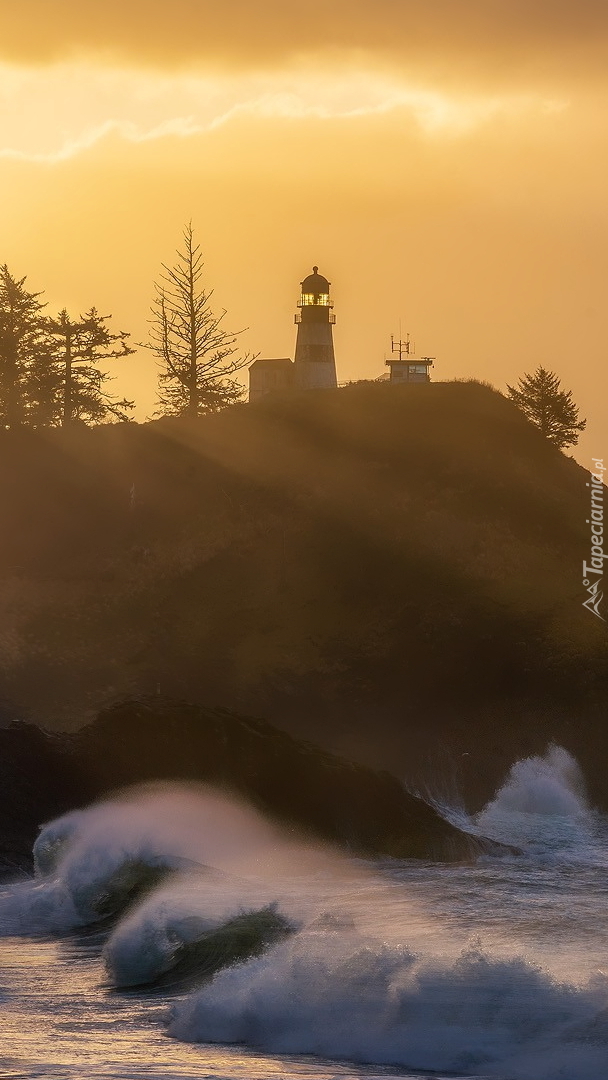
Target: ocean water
<point>251,955</point>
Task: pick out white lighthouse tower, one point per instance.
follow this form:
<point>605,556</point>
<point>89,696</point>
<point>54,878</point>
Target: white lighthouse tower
<point>315,362</point>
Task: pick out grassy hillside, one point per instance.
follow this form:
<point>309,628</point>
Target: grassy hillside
<point>395,571</point>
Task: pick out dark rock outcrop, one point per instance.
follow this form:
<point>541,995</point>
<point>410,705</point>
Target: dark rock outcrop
<point>294,782</point>
<point>37,781</point>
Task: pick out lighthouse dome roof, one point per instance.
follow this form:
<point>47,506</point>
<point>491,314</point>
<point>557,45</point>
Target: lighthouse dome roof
<point>315,282</point>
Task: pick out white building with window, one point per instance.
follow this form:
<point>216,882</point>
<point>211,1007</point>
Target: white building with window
<point>410,369</point>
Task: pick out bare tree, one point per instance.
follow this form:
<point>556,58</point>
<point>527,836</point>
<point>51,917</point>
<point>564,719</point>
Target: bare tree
<point>198,356</point>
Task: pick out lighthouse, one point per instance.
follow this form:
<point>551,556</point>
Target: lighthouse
<point>314,365</point>
<point>315,362</point>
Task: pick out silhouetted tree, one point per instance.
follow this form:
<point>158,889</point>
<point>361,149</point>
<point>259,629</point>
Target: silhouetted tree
<point>198,357</point>
<point>551,409</point>
<point>73,387</point>
<point>23,346</point>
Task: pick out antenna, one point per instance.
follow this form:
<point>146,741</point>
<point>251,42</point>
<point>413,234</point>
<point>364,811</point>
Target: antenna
<point>404,348</point>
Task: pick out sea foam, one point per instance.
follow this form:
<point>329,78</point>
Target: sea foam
<point>542,803</point>
<point>346,997</point>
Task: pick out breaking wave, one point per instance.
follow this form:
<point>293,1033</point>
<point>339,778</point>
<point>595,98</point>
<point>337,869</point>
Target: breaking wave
<point>363,1000</point>
<point>191,927</point>
<point>542,802</point>
<point>551,785</point>
<point>293,948</point>
<point>94,864</point>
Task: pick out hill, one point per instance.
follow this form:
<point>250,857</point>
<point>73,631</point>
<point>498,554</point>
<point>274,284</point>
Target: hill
<point>392,571</point>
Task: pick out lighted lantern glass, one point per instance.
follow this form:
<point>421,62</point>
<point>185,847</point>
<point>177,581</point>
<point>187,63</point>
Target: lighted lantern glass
<point>310,299</point>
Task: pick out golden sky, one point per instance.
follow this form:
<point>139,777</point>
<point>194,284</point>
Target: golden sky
<point>444,162</point>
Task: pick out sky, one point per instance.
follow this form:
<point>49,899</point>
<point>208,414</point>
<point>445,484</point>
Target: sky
<point>444,162</point>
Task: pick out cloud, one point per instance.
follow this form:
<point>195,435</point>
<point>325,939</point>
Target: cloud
<point>54,113</point>
<point>179,126</point>
<point>534,37</point>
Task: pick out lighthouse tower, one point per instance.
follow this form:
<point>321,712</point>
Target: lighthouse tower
<point>314,362</point>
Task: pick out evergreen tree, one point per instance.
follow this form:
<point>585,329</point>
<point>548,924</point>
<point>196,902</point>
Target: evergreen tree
<point>73,387</point>
<point>551,409</point>
<point>198,357</point>
<point>24,347</point>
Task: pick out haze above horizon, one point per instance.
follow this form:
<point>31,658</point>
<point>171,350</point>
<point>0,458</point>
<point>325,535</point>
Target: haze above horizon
<point>443,163</point>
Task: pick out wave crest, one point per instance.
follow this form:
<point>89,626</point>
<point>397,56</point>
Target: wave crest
<point>362,1000</point>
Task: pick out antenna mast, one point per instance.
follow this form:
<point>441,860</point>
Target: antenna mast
<point>404,348</point>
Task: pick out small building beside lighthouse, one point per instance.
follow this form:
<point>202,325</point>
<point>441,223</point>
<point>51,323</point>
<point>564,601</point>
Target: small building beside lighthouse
<point>314,365</point>
<point>405,366</point>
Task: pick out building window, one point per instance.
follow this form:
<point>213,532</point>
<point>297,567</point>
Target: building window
<point>418,369</point>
